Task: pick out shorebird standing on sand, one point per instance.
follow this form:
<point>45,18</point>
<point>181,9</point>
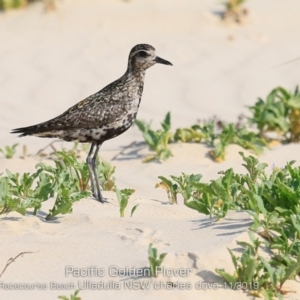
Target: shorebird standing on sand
<point>104,115</point>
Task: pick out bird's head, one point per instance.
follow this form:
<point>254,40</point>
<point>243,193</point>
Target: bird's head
<point>143,56</point>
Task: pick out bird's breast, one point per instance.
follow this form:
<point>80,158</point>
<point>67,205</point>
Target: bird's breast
<point>135,103</point>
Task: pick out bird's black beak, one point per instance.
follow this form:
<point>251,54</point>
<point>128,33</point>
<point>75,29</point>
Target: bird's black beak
<point>162,61</point>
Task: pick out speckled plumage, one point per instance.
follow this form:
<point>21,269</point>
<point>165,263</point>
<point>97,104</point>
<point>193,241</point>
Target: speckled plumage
<point>103,115</point>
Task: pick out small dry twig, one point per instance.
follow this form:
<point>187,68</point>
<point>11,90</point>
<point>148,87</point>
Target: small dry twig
<point>49,145</point>
<point>11,260</point>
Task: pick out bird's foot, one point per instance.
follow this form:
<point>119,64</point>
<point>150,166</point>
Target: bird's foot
<point>99,197</point>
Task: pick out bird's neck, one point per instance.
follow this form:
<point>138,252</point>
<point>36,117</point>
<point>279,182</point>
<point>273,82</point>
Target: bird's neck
<point>135,74</point>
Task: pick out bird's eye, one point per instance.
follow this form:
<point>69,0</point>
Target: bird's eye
<point>143,54</point>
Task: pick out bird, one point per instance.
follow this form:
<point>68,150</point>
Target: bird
<point>103,115</point>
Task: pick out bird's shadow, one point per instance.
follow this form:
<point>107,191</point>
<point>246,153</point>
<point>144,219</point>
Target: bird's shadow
<point>131,152</point>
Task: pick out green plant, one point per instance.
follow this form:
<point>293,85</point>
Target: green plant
<point>66,181</point>
<point>247,268</point>
<point>234,10</point>
<point>269,199</point>
<point>231,134</point>
<point>17,192</point>
<point>12,4</point>
<point>77,169</point>
<point>133,210</point>
<point>185,135</point>
<point>214,133</point>
<point>9,151</point>
<point>233,5</point>
<point>157,140</point>
<point>106,178</point>
<point>209,131</point>
<point>8,4</point>
<point>215,198</point>
<point>72,297</point>
<point>70,179</point>
<point>123,196</point>
<point>278,113</point>
<point>273,202</point>
<point>258,275</point>
<point>183,184</point>
<point>155,261</point>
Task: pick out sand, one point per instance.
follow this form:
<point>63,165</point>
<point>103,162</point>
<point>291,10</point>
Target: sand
<point>49,61</point>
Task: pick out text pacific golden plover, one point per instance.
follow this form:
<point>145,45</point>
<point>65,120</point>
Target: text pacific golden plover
<point>104,115</point>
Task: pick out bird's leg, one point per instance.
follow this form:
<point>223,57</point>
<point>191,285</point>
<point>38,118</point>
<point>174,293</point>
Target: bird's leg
<point>89,163</point>
<point>95,173</point>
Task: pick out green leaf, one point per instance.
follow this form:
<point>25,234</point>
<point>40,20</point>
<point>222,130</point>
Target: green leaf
<point>166,124</point>
<point>228,278</point>
<point>271,271</point>
<point>123,196</point>
<point>197,205</point>
<point>133,210</point>
<point>154,261</point>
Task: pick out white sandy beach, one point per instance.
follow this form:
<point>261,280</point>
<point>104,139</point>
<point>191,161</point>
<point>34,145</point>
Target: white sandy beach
<point>50,61</point>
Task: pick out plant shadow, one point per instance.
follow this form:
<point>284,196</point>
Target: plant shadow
<point>218,13</point>
<point>135,274</point>
<point>10,218</point>
<point>210,277</point>
<point>229,224</point>
<point>40,215</point>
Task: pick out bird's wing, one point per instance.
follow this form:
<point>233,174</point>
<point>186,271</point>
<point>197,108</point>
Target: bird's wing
<point>95,111</point>
<point>92,112</point>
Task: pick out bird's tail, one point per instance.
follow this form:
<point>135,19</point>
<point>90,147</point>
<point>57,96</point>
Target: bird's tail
<point>30,130</point>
